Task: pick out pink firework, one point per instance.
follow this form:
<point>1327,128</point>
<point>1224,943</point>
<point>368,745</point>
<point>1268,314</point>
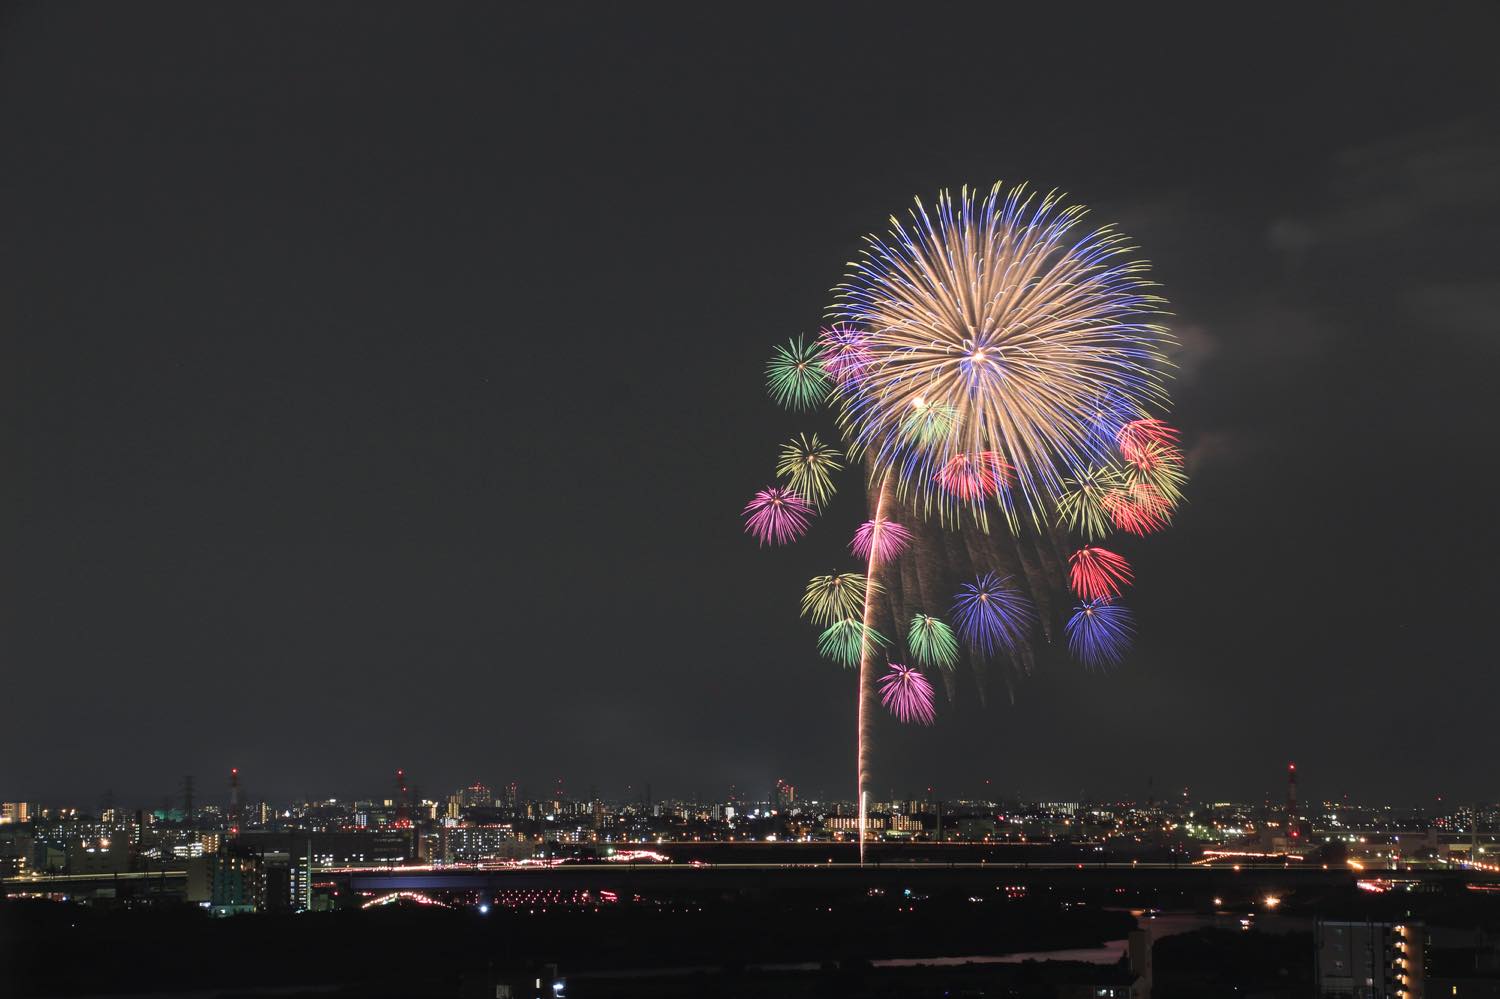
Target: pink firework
<point>977,476</point>
<point>880,540</point>
<point>1098,574</point>
<point>1138,508</point>
<point>845,352</point>
<point>1144,442</point>
<point>776,516</point>
<point>907,694</point>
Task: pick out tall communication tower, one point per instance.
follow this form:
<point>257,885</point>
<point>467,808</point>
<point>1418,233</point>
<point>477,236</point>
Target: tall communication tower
<point>403,800</point>
<point>236,802</point>
<point>1293,824</point>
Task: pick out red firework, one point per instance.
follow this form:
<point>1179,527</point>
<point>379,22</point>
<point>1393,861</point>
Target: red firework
<point>1138,508</point>
<point>1152,457</point>
<point>1098,574</point>
<point>1148,441</point>
<point>977,476</point>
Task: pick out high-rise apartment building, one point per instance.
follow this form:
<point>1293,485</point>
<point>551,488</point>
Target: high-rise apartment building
<point>1371,960</point>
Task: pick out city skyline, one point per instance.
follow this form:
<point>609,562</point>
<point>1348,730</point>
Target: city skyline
<point>214,794</point>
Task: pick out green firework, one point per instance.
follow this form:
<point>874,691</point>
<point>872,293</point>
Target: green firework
<point>928,423</point>
<point>795,377</point>
<point>845,641</point>
<point>808,465</point>
<point>932,643</point>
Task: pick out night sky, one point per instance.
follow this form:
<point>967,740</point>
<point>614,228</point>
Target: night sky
<point>381,387</point>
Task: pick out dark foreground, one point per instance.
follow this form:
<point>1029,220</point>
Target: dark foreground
<point>784,933</point>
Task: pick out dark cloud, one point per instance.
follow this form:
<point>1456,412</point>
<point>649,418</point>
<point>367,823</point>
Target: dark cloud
<point>381,387</point>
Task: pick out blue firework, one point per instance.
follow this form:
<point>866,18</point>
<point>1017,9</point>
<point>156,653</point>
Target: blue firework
<point>993,615</point>
<point>1109,411</point>
<point>1100,633</point>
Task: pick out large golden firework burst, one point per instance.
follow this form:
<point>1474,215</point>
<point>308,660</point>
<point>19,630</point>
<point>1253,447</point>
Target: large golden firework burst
<point>1000,312</point>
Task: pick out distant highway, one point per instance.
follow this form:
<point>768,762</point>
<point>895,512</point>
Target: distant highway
<point>595,874</point>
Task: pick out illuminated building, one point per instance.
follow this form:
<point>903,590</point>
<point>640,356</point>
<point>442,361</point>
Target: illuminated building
<point>470,844</point>
<point>15,812</point>
<point>385,845</point>
<point>850,823</point>
<point>104,856</point>
<point>239,878</point>
<point>1370,960</point>
<point>476,795</point>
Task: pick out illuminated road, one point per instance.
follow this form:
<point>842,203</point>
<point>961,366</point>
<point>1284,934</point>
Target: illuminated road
<point>384,878</point>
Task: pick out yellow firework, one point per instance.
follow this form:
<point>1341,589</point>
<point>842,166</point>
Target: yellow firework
<point>836,597</point>
<point>807,465</point>
<point>998,311</point>
<point>1084,505</point>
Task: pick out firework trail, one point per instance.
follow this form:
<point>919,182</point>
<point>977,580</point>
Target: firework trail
<point>907,694</point>
<point>987,352</point>
<point>1098,574</point>
<point>776,516</point>
<point>1100,633</point>
<point>846,641</point>
<point>867,688</point>
<point>808,465</point>
<point>879,541</point>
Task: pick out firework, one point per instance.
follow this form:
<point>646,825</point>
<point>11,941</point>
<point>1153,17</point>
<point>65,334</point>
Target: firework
<point>847,641</point>
<point>931,642</point>
<point>1134,437</point>
<point>1108,414</point>
<point>907,694</point>
<point>1100,632</point>
<point>928,423</point>
<point>776,516</point>
<point>879,541</point>
<point>1097,573</point>
<point>835,597</point>
<point>997,308</point>
<point>1158,466</point>
<point>1138,508</point>
<point>844,352</point>
<point>974,477</point>
<point>807,465</point>
<point>993,615</point>
<point>1083,507</point>
<point>986,350</point>
<point>795,375</point>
